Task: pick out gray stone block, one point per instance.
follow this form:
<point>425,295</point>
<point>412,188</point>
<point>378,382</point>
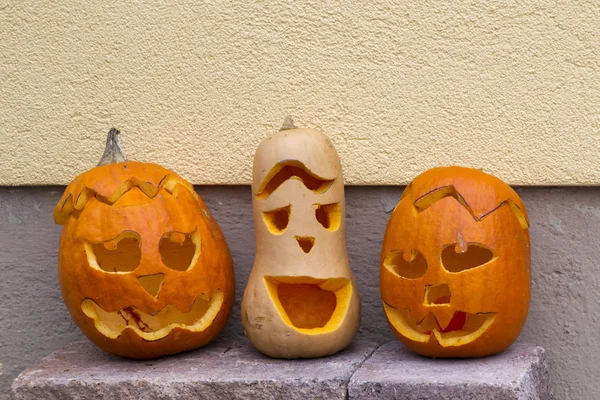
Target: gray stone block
<point>222,370</point>
<point>394,372</point>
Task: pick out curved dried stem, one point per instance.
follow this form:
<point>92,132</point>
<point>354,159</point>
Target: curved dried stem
<point>113,153</point>
<point>288,123</point>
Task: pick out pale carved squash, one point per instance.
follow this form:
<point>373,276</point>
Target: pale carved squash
<point>301,299</point>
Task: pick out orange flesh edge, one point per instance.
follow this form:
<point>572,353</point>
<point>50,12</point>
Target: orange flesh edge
<point>307,305</point>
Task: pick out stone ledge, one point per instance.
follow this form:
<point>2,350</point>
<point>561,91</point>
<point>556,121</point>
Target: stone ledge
<point>224,370</point>
<point>394,372</point>
<point>231,370</point>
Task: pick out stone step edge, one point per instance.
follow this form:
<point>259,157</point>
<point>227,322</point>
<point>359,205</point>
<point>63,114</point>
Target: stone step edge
<point>530,379</point>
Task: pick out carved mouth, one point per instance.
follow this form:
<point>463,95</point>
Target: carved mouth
<point>156,326</point>
<point>310,305</point>
<point>463,328</point>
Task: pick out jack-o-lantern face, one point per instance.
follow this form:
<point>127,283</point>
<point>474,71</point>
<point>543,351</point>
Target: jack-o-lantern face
<point>301,298</point>
<point>455,264</point>
<point>143,267</point>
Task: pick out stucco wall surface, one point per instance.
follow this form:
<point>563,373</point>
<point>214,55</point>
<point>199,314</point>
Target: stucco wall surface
<point>399,86</point>
<point>564,315</point>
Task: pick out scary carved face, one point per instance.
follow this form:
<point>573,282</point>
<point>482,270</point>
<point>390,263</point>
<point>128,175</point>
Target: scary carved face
<point>143,267</point>
<point>301,285</point>
<point>455,264</point>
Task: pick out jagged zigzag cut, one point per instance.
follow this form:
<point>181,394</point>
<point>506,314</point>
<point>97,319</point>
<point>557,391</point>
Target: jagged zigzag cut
<point>169,182</point>
<point>429,199</point>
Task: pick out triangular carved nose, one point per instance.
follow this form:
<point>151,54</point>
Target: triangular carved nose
<point>152,283</point>
<point>437,294</point>
<point>306,243</point>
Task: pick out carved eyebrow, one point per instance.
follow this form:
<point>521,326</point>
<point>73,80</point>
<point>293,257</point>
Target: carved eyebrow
<point>432,197</point>
<point>292,169</point>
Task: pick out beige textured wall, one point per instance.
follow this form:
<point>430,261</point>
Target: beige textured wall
<point>400,86</point>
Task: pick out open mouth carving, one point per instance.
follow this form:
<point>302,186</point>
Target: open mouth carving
<point>463,328</point>
<point>156,326</point>
<point>308,304</point>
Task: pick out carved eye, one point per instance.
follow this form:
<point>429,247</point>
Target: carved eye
<point>405,263</point>
<point>278,219</point>
<point>328,215</point>
<point>475,256</point>
<point>179,251</point>
<point>122,254</point>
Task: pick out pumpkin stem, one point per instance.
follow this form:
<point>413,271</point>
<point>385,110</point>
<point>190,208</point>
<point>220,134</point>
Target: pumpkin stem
<point>288,123</point>
<point>113,153</point>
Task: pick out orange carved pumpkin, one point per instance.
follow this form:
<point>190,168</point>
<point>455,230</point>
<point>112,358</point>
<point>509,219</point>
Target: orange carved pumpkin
<point>455,264</point>
<point>143,267</point>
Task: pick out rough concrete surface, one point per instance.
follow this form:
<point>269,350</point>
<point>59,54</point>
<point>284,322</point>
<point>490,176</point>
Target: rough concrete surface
<point>504,85</point>
<point>564,316</point>
<point>222,370</point>
<point>394,372</point>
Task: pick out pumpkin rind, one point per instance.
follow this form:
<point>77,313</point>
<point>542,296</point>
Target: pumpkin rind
<point>457,210</point>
